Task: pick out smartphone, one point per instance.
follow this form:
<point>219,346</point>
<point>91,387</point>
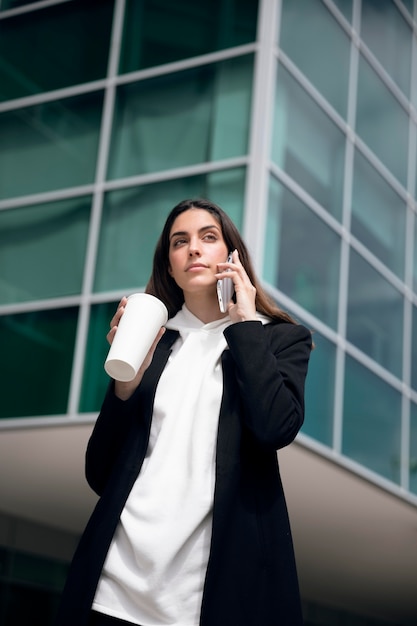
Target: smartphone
<point>225,290</point>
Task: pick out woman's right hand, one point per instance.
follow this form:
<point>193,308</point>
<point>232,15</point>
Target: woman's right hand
<point>124,390</point>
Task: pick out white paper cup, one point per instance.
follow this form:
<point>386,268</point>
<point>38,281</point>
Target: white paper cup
<point>139,325</point>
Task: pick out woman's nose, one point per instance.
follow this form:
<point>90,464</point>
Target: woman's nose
<point>194,249</point>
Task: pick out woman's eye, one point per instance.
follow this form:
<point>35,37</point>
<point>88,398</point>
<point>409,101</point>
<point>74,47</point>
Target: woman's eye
<point>210,237</point>
<point>178,242</point>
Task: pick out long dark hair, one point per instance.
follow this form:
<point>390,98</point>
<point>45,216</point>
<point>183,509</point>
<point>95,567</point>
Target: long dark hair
<point>163,286</point>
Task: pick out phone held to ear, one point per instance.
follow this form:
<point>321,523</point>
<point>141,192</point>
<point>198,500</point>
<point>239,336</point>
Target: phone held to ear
<point>225,290</point>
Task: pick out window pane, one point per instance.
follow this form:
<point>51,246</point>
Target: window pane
<point>345,7</point>
<point>319,392</point>
<point>413,448</point>
<point>54,47</point>
<point>307,144</point>
<point>308,32</point>
<point>95,379</point>
<point>414,350</point>
<point>133,220</point>
<point>377,108</point>
<point>415,255</point>
<point>378,215</point>
<point>389,37</point>
<point>162,31</point>
<point>182,119</point>
<point>13,4</point>
<point>42,250</point>
<point>301,254</point>
<point>49,146</point>
<point>371,421</point>
<point>374,315</point>
<point>42,343</point>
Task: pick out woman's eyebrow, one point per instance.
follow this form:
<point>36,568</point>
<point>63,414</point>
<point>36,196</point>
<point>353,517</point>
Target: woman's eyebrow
<point>200,230</point>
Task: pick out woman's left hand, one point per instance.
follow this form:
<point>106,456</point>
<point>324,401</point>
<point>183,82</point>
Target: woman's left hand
<point>244,309</point>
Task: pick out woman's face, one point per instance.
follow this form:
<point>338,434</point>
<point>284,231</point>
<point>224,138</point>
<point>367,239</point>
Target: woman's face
<point>196,246</point>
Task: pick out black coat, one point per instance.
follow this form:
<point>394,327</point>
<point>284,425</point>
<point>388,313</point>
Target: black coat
<point>251,577</point>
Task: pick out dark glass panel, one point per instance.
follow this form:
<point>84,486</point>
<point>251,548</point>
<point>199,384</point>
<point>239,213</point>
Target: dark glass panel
<point>371,421</point>
<point>319,392</point>
<point>35,368</point>
<point>54,47</point>
<point>302,254</point>
<point>42,250</point>
<point>49,146</point>
<point>162,31</point>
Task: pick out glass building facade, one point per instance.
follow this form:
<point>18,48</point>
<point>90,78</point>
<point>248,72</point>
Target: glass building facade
<point>298,117</point>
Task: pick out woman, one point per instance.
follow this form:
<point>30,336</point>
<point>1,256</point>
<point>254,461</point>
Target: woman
<point>191,526</point>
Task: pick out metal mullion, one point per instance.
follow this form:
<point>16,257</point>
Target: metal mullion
<point>345,240</point>
<point>263,95</point>
<point>29,8</point>
<point>52,96</point>
<point>96,212</point>
<point>408,303</point>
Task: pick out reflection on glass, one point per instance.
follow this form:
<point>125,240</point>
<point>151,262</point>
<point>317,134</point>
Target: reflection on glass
<point>374,315</point>
<point>133,219</point>
<point>162,31</point>
<point>319,392</point>
<point>42,250</point>
<point>378,215</point>
<point>307,144</point>
<point>371,421</point>
<point>49,146</point>
<point>413,448</point>
<point>54,47</point>
<point>389,37</point>
<point>95,379</point>
<point>39,346</point>
<point>182,119</point>
<point>381,122</point>
<point>301,254</point>
<point>308,32</point>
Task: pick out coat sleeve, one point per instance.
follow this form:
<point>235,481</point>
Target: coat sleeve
<point>271,365</point>
<point>108,438</point>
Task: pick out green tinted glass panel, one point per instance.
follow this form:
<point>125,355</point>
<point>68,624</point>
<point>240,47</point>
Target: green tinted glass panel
<point>413,448</point>
<point>371,421</point>
<point>374,315</point>
<point>414,350</point>
<point>345,7</point>
<point>133,219</point>
<point>54,47</point>
<point>319,391</point>
<point>378,215</point>
<point>377,109</point>
<point>415,255</point>
<point>49,146</point>
<point>42,342</point>
<point>95,379</point>
<point>301,254</point>
<point>42,250</point>
<point>308,32</point>
<point>162,31</point>
<point>182,119</point>
<point>388,35</point>
<point>307,144</point>
<point>14,4</point>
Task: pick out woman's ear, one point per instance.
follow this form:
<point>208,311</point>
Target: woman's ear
<point>169,270</point>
